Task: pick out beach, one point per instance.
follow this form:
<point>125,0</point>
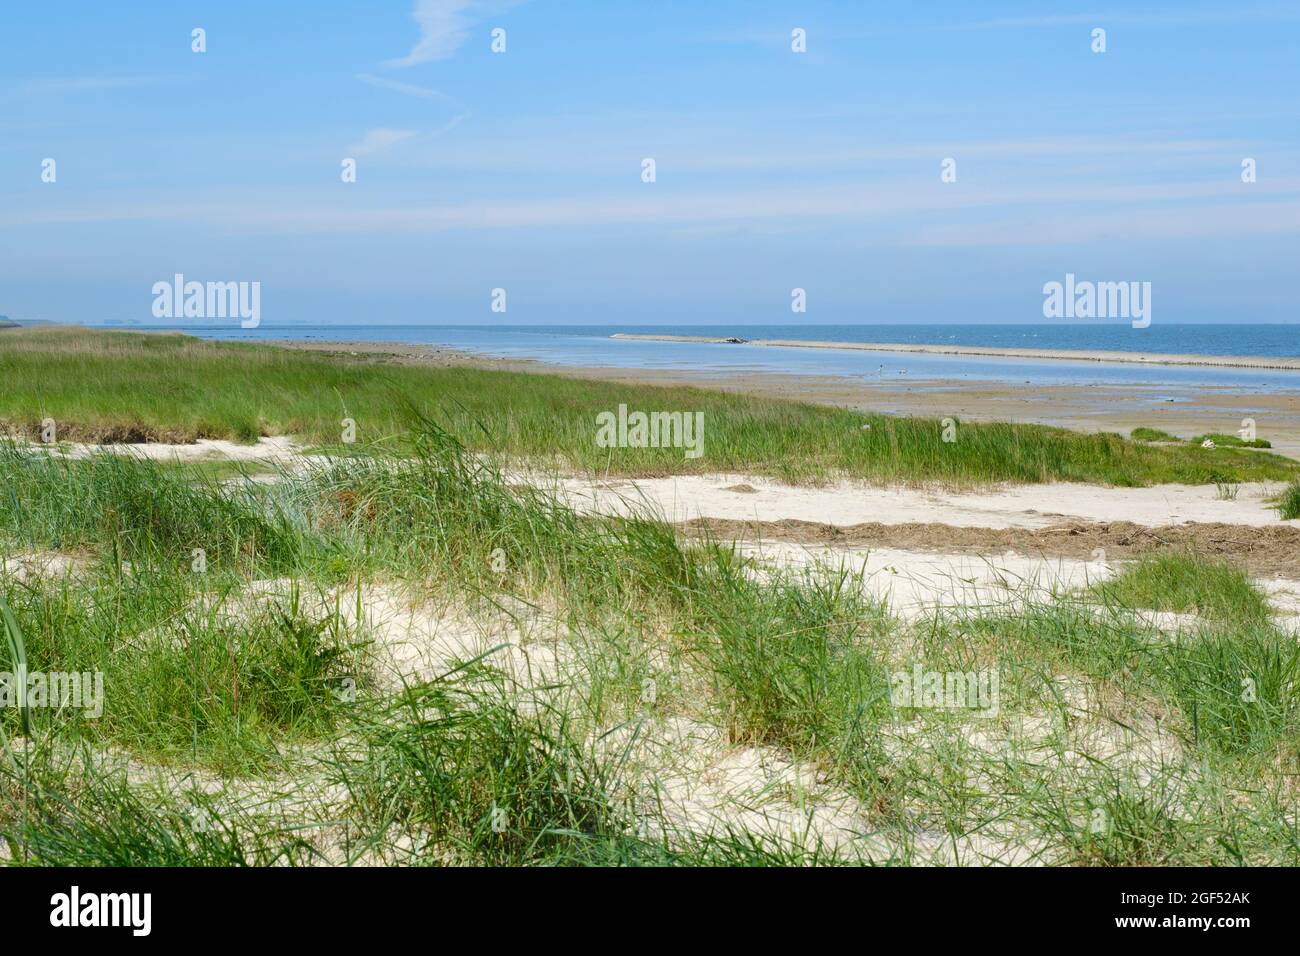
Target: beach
<point>1068,355</point>
<point>1098,408</point>
<point>340,531</point>
<point>490,434</point>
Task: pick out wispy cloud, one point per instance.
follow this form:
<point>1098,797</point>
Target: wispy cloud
<point>444,27</point>
<point>378,140</point>
<point>383,138</point>
<point>1152,212</point>
<point>1252,219</point>
<point>459,113</point>
<point>408,89</point>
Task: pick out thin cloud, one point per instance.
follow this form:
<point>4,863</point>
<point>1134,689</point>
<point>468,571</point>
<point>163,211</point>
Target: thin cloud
<point>378,140</point>
<point>419,92</point>
<point>444,27</point>
<point>1145,224</point>
<point>1147,212</point>
<point>407,89</point>
<point>382,138</point>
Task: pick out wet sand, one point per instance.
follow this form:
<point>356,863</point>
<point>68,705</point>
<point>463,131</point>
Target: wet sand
<point>1069,355</point>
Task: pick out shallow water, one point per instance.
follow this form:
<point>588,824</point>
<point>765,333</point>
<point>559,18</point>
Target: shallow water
<point>592,346</point>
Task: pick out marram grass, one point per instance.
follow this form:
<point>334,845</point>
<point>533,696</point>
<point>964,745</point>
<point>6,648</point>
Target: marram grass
<point>120,386</point>
<point>461,768</point>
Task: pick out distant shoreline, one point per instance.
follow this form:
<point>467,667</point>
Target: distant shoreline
<point>1076,355</point>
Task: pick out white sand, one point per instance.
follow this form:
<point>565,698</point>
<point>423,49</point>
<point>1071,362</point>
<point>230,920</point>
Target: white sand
<point>850,503</point>
<point>914,582</point>
<point>269,450</point>
<point>842,503</point>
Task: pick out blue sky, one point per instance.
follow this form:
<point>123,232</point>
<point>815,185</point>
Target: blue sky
<point>775,170</point>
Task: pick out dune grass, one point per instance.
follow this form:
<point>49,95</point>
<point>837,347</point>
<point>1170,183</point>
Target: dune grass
<point>1237,690</point>
<point>119,386</point>
<point>1185,582</point>
<point>456,763</point>
<point>74,816</point>
<point>146,510</point>
<point>1288,504</point>
<point>1228,686</point>
<point>468,767</point>
<point>186,682</point>
<point>1144,434</point>
<point>1232,441</point>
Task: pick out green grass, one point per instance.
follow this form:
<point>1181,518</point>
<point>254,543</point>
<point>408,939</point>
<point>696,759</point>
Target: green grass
<point>1110,816</point>
<point>1144,434</point>
<point>1229,686</point>
<point>186,683</point>
<point>1288,504</point>
<point>1232,441</point>
<point>1239,691</point>
<point>455,764</point>
<point>793,664</point>
<point>145,510</point>
<point>469,767</point>
<point>97,818</point>
<point>127,386</point>
<point>1152,434</point>
<point>1186,583</point>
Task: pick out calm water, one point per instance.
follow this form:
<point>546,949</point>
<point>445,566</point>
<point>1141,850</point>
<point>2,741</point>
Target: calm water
<point>592,346</point>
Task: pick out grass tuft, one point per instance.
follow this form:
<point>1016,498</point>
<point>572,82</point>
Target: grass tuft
<point>1186,583</point>
<point>1289,503</point>
<point>1145,434</point>
<point>1231,441</point>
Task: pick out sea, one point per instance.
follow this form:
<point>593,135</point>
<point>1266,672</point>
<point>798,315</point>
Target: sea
<point>594,346</point>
